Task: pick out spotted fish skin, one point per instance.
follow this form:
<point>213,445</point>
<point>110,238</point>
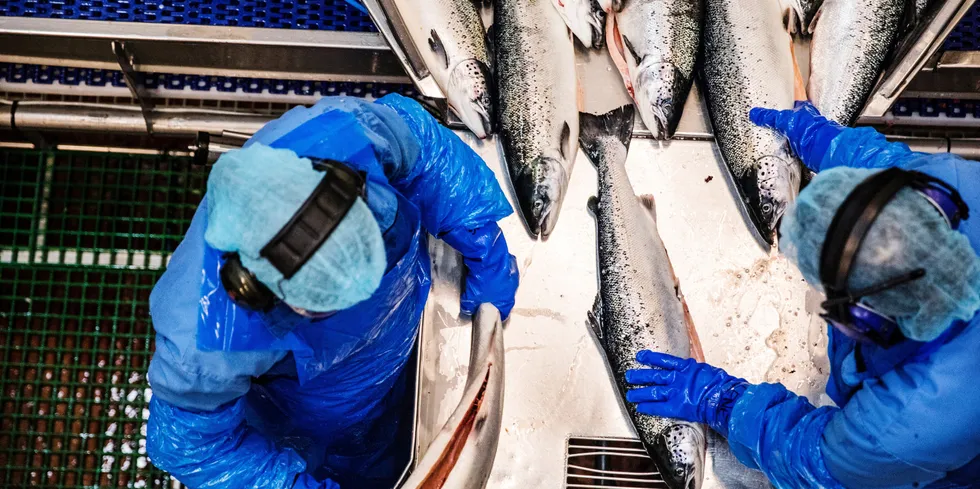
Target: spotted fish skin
<point>851,40</point>
<point>748,62</point>
<point>639,305</point>
<point>450,36</point>
<point>537,109</point>
<point>658,40</point>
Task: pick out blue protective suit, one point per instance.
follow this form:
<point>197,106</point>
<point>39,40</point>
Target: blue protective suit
<point>909,414</point>
<point>239,405</point>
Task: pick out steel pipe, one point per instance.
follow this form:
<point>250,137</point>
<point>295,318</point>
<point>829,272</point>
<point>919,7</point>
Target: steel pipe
<point>78,117</point>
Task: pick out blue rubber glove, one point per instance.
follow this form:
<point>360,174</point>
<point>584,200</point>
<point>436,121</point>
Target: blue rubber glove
<point>809,132</point>
<point>684,389</point>
<point>306,481</point>
<point>491,271</point>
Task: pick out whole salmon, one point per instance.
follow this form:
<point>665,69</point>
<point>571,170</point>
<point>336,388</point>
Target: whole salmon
<point>654,43</point>
<point>450,36</point>
<point>851,40</point>
<point>537,111</point>
<point>639,305</point>
<point>748,62</point>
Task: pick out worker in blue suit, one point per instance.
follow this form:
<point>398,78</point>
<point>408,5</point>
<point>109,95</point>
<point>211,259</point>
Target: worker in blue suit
<point>886,233</point>
<point>288,313</point>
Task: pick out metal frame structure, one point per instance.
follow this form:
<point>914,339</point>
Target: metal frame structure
<point>918,65</point>
<point>202,50</point>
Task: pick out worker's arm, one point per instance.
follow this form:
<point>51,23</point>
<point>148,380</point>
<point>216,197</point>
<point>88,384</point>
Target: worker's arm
<point>823,144</point>
<point>461,202</point>
<point>768,427</point>
<point>906,429</point>
<point>458,196</point>
<point>197,430</point>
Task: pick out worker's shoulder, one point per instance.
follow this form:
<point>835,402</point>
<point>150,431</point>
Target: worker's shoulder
<point>915,422</point>
<point>960,173</point>
<point>935,424</point>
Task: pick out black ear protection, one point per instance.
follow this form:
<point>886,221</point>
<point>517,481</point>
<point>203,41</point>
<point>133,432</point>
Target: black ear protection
<point>847,231</point>
<point>300,238</point>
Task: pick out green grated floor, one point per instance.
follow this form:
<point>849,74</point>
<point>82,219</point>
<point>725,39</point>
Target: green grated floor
<point>83,238</point>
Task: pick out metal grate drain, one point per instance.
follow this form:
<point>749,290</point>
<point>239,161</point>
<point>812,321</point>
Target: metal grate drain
<point>95,209</point>
<point>83,238</point>
<point>609,463</point>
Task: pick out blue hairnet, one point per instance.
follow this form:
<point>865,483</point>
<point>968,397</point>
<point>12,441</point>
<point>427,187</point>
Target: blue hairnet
<point>253,192</point>
<point>909,233</point>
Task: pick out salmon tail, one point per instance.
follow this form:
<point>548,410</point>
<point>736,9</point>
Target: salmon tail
<point>617,123</point>
<point>650,204</point>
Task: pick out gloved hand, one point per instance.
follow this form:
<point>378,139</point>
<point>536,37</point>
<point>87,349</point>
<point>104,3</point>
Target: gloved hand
<point>306,481</point>
<point>809,132</point>
<point>684,389</point>
<point>491,271</point>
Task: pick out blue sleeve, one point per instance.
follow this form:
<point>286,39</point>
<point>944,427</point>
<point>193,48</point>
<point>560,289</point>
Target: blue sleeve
<point>197,429</point>
<point>216,449</point>
<point>906,429</point>
<point>779,433</point>
<point>452,186</point>
<point>458,197</point>
<point>913,425</point>
<point>460,202</point>
<point>865,147</point>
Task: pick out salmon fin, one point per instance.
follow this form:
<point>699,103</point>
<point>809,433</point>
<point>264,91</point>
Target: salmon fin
<point>617,123</point>
<point>650,204</point>
<point>813,22</point>
<point>566,141</point>
<point>489,39</point>
<point>697,352</point>
<point>791,19</point>
<point>435,44</point>
<point>594,321</point>
<point>593,206</point>
<point>630,49</point>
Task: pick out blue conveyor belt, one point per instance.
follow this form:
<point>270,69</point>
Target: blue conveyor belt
<point>306,14</point>
<point>46,75</point>
<point>330,15</point>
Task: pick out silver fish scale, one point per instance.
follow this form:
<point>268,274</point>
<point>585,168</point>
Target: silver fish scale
<point>744,68</point>
<point>666,36</point>
<point>458,24</point>
<point>535,70</point>
<point>749,63</point>
<point>640,308</point>
<point>850,43</point>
